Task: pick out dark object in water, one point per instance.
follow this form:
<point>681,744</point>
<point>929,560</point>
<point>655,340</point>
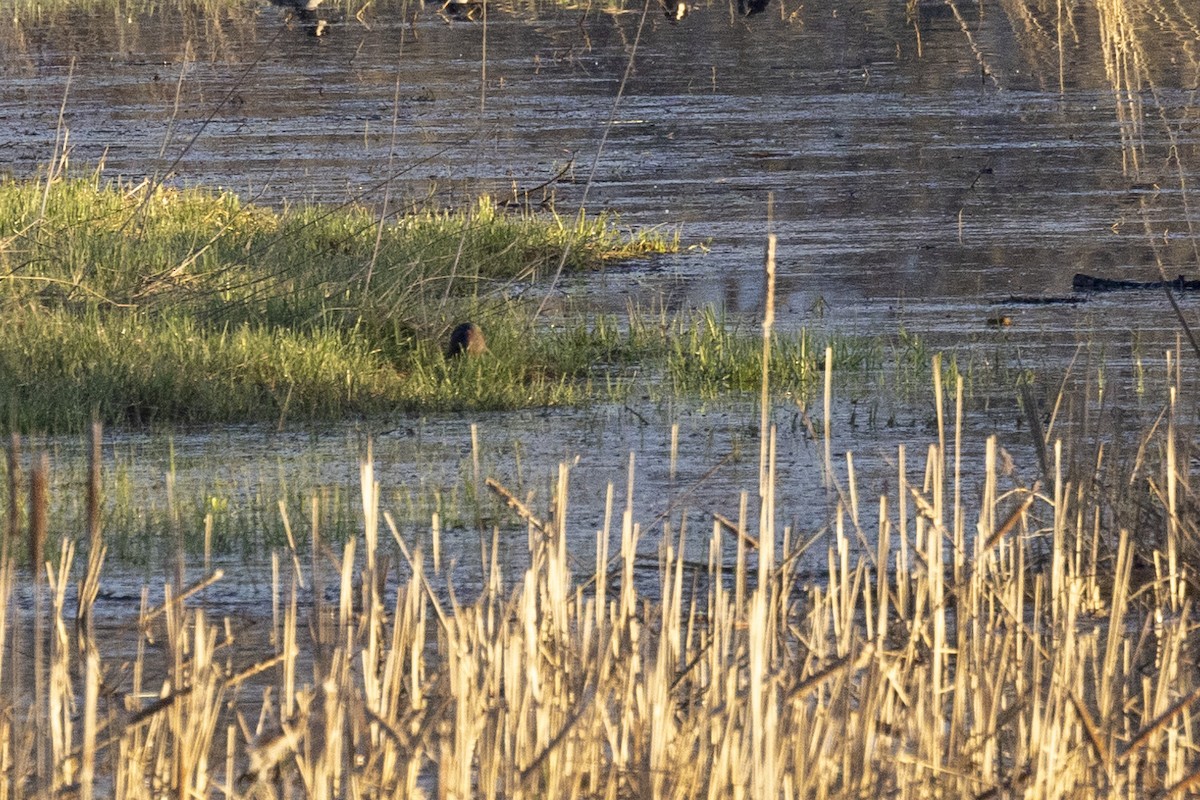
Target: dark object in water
<point>748,8</point>
<point>1040,300</point>
<point>675,10</point>
<point>466,338</point>
<point>470,10</point>
<point>1090,283</point>
<point>307,13</point>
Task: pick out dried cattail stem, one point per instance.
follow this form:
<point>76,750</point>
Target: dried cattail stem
<point>39,507</point>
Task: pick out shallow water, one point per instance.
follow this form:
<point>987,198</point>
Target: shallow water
<point>894,175</point>
<point>912,191</point>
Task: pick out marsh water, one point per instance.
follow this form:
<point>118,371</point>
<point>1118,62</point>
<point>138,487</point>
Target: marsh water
<point>928,168</point>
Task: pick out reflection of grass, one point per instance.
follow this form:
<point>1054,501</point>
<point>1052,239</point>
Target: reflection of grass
<point>52,11</point>
<point>224,498</point>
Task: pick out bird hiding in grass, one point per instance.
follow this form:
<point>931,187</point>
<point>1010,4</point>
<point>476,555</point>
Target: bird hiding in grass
<point>466,339</point>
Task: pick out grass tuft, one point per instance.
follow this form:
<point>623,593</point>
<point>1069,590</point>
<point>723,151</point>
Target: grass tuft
<point>165,305</point>
<point>158,306</point>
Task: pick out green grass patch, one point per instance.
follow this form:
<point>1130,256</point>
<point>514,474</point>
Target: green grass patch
<point>153,304</point>
<point>120,247</point>
<point>156,306</point>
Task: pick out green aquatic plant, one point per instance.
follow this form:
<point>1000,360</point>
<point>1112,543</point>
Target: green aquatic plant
<point>154,304</point>
<point>87,243</point>
<point>150,305</point>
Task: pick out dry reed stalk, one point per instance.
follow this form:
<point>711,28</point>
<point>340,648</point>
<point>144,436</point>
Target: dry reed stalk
<point>764,419</point>
<point>289,651</point>
<point>39,506</point>
<point>230,761</point>
<point>297,570</point>
<point>87,767</point>
<point>38,510</point>
<point>828,421</point>
<point>275,589</point>
<point>150,615</point>
<point>1172,504</point>
<point>13,756</point>
<point>923,665</point>
<point>89,590</point>
<point>435,526</point>
<point>317,576</point>
<point>10,762</point>
<point>522,510</point>
<point>61,691</point>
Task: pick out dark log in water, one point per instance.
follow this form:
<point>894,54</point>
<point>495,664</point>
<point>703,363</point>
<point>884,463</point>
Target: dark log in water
<point>1039,300</point>
<point>1090,283</point>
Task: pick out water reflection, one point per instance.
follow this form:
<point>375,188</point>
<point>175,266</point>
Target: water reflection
<point>308,13</point>
<point>929,150</point>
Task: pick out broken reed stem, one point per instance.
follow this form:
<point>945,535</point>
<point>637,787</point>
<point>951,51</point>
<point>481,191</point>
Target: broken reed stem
<point>38,502</point>
<point>39,506</point>
<point>828,432</point>
<point>199,586</point>
<point>520,508</point>
<point>768,323</point>
<point>766,432</point>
